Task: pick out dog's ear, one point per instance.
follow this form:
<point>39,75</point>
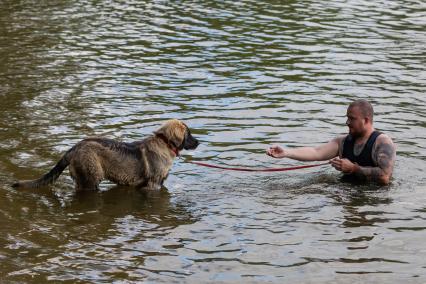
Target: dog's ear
<point>174,131</point>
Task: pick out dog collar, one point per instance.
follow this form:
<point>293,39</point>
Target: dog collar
<point>172,148</point>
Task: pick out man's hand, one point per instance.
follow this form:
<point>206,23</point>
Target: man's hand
<point>275,151</point>
<point>344,165</point>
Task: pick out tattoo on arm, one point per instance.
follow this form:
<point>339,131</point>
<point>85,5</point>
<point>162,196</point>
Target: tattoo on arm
<point>385,160</point>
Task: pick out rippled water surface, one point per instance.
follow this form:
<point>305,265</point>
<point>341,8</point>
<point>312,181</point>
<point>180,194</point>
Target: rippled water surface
<point>243,75</point>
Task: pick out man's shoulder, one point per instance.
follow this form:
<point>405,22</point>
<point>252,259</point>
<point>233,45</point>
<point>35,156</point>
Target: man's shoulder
<point>384,139</point>
<point>339,140</point>
<point>340,137</point>
<point>384,143</point>
<point>384,146</point>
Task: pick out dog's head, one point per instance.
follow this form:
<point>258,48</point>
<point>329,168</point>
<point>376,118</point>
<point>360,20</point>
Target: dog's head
<point>176,133</point>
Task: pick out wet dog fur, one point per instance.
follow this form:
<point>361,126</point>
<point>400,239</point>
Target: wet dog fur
<point>141,164</point>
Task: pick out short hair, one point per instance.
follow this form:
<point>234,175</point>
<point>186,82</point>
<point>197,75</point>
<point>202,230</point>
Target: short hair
<point>365,107</point>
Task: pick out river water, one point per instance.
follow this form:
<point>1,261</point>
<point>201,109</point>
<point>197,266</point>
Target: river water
<point>243,75</point>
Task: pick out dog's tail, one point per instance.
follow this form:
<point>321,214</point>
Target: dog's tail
<point>48,178</point>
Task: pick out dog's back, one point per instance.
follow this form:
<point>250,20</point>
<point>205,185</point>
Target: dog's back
<point>95,159</point>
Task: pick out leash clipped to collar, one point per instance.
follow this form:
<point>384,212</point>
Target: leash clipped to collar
<point>169,144</point>
<point>259,169</point>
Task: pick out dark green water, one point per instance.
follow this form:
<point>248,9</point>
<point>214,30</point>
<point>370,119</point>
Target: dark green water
<point>243,75</point>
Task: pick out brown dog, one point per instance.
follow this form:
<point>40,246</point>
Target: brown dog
<point>143,164</point>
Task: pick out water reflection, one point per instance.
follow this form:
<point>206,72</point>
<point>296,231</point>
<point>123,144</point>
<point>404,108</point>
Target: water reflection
<point>120,201</point>
<point>123,221</point>
<point>362,207</point>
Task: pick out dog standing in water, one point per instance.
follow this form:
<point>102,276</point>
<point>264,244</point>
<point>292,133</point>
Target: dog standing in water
<point>141,164</point>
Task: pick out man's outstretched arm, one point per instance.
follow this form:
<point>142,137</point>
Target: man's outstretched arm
<point>320,153</point>
<point>385,157</point>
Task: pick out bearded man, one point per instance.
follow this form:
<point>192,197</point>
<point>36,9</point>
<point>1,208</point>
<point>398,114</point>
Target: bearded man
<point>362,155</point>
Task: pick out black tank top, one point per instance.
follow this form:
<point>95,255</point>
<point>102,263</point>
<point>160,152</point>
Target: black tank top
<point>364,159</point>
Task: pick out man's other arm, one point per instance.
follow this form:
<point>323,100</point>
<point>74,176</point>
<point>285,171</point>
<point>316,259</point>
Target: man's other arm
<point>385,157</point>
<point>385,154</point>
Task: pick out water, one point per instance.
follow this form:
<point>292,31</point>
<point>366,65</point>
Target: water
<point>243,75</point>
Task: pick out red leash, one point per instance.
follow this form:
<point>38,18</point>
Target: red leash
<point>259,170</point>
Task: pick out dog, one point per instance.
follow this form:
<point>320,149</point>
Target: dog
<point>140,164</point>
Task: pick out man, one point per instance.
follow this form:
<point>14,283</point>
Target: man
<point>363,154</point>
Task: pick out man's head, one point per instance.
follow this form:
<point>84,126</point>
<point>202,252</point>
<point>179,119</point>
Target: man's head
<point>359,118</point>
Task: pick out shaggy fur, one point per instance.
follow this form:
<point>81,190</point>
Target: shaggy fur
<point>142,164</point>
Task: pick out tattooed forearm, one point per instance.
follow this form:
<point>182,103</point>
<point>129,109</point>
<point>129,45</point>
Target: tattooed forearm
<point>375,174</point>
<point>385,156</point>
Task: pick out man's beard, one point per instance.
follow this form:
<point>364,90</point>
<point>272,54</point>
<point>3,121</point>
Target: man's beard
<point>354,134</point>
<point>357,134</point>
